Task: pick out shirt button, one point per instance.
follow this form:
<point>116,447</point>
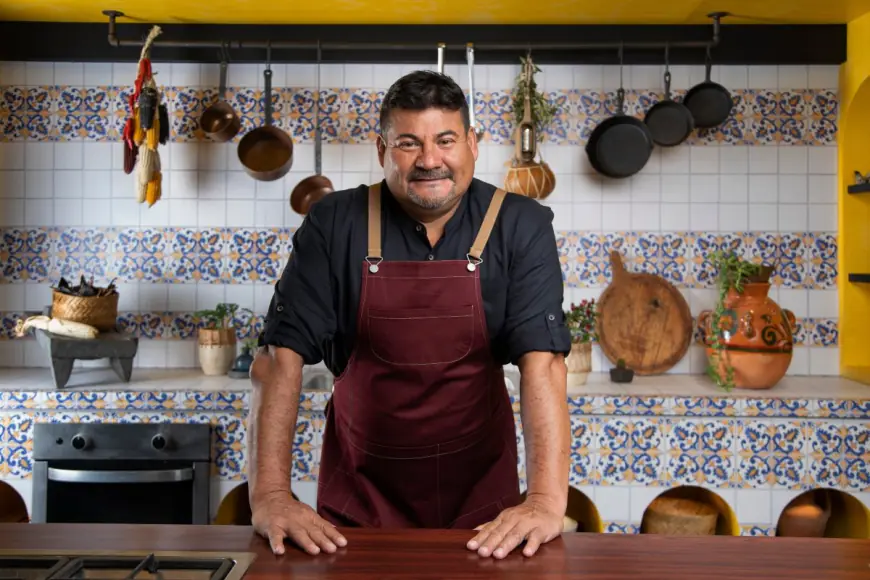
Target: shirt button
<point>430,257</point>
<point>280,308</point>
<point>419,228</point>
<point>551,318</point>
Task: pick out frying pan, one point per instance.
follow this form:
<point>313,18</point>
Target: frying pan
<point>314,187</point>
<point>220,122</point>
<point>621,145</point>
<point>709,102</point>
<point>670,123</point>
<point>266,153</point>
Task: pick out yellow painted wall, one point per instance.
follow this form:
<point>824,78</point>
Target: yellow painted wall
<point>853,140</point>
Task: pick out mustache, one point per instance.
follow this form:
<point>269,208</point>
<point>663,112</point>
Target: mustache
<point>418,175</point>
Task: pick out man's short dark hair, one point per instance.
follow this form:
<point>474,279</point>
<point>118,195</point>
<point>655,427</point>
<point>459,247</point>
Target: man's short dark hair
<point>421,90</point>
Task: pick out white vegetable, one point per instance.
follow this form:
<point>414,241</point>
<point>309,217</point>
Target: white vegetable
<point>71,329</point>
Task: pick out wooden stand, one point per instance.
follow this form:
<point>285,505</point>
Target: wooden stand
<point>119,347</point>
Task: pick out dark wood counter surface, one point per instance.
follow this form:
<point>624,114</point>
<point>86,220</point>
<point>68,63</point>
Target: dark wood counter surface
<point>442,554</point>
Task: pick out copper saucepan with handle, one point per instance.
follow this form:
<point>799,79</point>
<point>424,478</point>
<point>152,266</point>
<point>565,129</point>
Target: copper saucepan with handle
<point>311,189</point>
<point>220,122</point>
<point>266,153</point>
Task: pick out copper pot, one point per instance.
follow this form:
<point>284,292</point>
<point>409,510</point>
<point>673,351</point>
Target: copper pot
<point>311,189</point>
<point>220,122</point>
<point>266,153</point>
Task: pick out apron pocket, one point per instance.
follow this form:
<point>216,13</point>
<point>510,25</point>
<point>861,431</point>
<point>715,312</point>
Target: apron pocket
<point>421,336</point>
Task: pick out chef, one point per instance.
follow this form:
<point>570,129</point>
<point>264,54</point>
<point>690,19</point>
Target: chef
<point>415,292</point>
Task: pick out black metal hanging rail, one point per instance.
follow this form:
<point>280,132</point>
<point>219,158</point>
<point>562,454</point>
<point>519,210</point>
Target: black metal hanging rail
<point>716,18</point>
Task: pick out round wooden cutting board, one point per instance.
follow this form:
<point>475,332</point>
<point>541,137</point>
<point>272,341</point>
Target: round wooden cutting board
<point>644,320</point>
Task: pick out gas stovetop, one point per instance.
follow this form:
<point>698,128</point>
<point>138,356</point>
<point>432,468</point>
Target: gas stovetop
<point>122,565</point>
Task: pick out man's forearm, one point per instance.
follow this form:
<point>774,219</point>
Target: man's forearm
<point>272,422</point>
<point>546,427</point>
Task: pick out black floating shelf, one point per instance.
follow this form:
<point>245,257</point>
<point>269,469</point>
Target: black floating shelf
<point>864,278</point>
<point>859,188</point>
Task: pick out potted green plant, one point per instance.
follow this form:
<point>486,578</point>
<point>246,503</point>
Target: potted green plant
<point>580,320</point>
<point>620,373</point>
<point>216,337</point>
<point>748,338</point>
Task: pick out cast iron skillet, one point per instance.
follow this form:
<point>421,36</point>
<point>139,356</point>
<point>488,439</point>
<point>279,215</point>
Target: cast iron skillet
<point>709,102</point>
<point>621,145</point>
<point>670,123</point>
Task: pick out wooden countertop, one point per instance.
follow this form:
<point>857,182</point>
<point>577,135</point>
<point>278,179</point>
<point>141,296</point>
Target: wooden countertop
<point>427,554</point>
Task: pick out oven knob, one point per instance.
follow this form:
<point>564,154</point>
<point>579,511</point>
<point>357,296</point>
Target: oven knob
<point>80,442</point>
<point>158,442</point>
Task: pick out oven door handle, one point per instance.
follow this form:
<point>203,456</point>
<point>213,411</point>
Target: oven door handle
<point>111,476</point>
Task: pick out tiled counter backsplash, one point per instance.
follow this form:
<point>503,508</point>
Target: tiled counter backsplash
<point>763,184</point>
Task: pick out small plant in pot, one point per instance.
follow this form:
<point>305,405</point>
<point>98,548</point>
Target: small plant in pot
<point>620,373</point>
<point>216,337</point>
<point>580,320</point>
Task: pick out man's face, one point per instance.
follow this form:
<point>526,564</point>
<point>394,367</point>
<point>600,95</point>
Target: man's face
<point>427,156</point>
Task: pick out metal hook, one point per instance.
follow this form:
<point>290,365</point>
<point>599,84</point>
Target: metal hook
<point>268,55</point>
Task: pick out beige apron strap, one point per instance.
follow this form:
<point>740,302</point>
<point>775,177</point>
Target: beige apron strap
<point>486,228</point>
<point>374,223</point>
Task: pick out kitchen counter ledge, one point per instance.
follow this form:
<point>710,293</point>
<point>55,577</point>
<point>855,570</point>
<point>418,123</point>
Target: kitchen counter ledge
<point>429,554</point>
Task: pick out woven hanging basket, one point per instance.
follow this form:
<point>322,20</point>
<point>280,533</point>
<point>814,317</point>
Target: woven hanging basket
<point>533,179</point>
<point>101,312</point>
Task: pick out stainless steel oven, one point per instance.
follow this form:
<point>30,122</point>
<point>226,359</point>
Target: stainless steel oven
<point>143,473</point>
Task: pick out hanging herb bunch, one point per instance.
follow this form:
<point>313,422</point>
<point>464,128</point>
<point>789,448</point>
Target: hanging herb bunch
<point>543,112</point>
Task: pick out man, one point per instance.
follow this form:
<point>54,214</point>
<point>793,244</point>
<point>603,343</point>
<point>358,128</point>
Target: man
<point>415,292</point>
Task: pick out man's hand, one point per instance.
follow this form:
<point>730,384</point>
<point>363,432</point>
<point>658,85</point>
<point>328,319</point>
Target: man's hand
<point>533,521</point>
<point>279,516</point>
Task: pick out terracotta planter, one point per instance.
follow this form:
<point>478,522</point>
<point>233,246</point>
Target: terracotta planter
<point>217,350</point>
<point>757,334</point>
<point>579,363</point>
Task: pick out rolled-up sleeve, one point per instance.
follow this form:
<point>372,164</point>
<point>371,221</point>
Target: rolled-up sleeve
<point>301,315</point>
<point>534,319</point>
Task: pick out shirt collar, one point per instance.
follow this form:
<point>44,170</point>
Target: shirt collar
<point>390,203</point>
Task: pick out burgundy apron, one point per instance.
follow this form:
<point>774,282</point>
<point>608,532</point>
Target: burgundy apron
<point>419,428</point>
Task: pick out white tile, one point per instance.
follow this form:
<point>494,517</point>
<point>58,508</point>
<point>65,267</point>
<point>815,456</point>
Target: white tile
<point>356,157</point>
<point>153,297</point>
<point>675,188</point>
<point>704,217</point>
<point>244,75</point>
<point>763,160</point>
<point>212,185</point>
<point>69,155</point>
<point>332,76</point>
<point>615,217</point>
<point>824,361</point>
<point>734,159</point>
<point>12,155</point>
<point>211,157</point>
<point>641,497</point>
<point>38,184</point>
<point>792,77</point>
<point>823,217</point>
<point>823,304</point>
<point>588,76</point>
<point>11,354</point>
<point>360,76</point>
<point>209,295</point>
<point>39,73</point>
<point>97,184</point>
<point>68,212</point>
<point>793,159</point>
<point>125,212</point>
<point>12,213</point>
<point>822,160</point>
<point>123,185</point>
<point>763,77</point>
<point>183,74</point>
<point>734,77</point>
<point>128,296</point>
<point>353,179</point>
<point>12,73</point>
<point>240,186</point>
<point>268,214</point>
<point>12,297</point>
<point>704,188</point>
<point>616,190</point>
<point>793,218</point>
<point>182,297</point>
<point>795,300</point>
<point>586,188</point>
<point>37,296</point>
<point>212,213</point>
<point>646,188</point>
<point>97,155</point>
<point>71,74</point>
<point>97,74</point>
<point>117,158</point>
<point>647,78</point>
<point>676,159</point>
<point>124,73</point>
<point>613,503</point>
<point>561,159</point>
<point>38,212</point>
<point>183,184</point>
<point>645,217</point>
<point>704,159</point>
<point>34,355</point>
<point>39,155</point>
<point>763,217</point>
<point>241,294</point>
<point>823,77</point>
<point>332,157</point>
<point>152,353</point>
<point>270,190</point>
<point>587,216</point>
<point>181,354</point>
<point>156,215</point>
<point>562,215</point>
<point>733,188</point>
<point>733,217</point>
<point>792,189</point>
<point>763,188</point>
<point>675,217</point>
<point>823,188</point>
<point>185,156</point>
<point>68,184</point>
<point>96,212</point>
<point>182,212</point>
<point>753,506</point>
<point>386,75</point>
<point>240,213</point>
<point>11,184</point>
<point>653,165</point>
<point>800,362</point>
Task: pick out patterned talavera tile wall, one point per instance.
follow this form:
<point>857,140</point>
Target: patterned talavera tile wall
<point>757,454</point>
<point>763,184</point>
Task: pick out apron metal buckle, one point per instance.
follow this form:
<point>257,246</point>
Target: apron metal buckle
<point>473,262</point>
<point>373,264</point>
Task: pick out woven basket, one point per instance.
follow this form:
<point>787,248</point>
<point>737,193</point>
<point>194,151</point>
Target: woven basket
<point>216,336</point>
<point>681,517</point>
<point>101,312</point>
